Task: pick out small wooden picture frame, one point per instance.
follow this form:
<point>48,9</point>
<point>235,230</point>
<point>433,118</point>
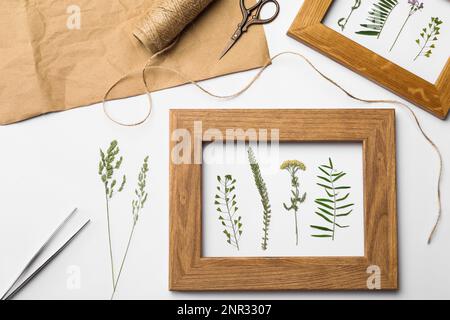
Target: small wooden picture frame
<point>309,29</point>
<point>374,129</point>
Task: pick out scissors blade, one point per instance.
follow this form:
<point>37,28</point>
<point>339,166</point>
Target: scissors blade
<point>228,47</point>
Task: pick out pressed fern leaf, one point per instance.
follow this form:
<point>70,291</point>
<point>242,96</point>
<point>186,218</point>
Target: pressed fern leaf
<point>227,208</point>
<point>333,205</point>
<point>262,189</point>
<point>378,17</point>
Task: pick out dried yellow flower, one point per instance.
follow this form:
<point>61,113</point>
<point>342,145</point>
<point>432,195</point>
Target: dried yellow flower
<point>293,164</point>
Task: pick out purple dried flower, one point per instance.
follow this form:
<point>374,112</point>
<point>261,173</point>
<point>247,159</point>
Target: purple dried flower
<point>415,4</point>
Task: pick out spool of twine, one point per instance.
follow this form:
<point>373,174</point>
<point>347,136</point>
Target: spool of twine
<point>164,22</point>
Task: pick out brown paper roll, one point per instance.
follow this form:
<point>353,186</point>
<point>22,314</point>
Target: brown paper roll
<point>165,21</point>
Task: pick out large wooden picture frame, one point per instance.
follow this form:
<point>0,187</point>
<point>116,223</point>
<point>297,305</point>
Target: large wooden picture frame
<point>309,29</point>
<point>375,129</point>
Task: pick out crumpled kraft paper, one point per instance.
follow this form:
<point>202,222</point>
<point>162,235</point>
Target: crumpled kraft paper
<point>45,66</point>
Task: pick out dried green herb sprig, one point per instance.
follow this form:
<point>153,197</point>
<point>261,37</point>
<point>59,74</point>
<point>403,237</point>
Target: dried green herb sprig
<point>333,206</point>
<point>141,194</point>
<point>342,22</point>
<point>110,162</point>
<point>226,204</point>
<point>137,205</point>
<point>262,189</point>
<point>106,167</point>
<point>429,36</point>
<point>293,167</point>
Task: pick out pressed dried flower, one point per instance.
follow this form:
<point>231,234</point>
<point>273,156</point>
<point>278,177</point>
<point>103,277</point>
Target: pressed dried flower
<point>378,16</point>
<point>428,38</point>
<point>293,167</point>
<point>342,22</point>
<point>415,6</point>
<point>262,189</point>
<point>226,203</point>
<point>332,207</point>
<point>137,205</point>
<point>293,164</point>
<point>106,168</point>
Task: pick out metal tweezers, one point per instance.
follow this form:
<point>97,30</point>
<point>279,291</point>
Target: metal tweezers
<point>8,294</point>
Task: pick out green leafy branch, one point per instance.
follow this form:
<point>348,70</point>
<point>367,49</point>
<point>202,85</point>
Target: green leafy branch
<point>262,189</point>
<point>429,36</point>
<point>137,205</point>
<point>108,165</point>
<point>378,16</point>
<point>333,206</point>
<point>342,22</point>
<point>293,167</point>
<point>226,204</point>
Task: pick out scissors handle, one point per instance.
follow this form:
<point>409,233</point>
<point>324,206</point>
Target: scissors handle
<point>255,17</point>
<point>251,16</point>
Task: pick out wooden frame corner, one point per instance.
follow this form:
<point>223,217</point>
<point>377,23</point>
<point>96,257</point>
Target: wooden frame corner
<point>308,28</point>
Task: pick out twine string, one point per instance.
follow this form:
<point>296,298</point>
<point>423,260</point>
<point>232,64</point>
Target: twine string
<point>150,66</point>
<point>106,112</point>
<point>147,91</point>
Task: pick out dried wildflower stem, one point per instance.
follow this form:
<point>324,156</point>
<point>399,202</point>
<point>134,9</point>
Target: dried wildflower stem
<point>226,204</point>
<point>123,260</point>
<point>415,6</point>
<point>262,189</point>
<point>106,167</point>
<point>399,33</point>
<point>109,238</point>
<point>334,209</point>
<point>348,18</point>
<point>423,48</point>
<point>137,206</point>
<point>296,228</point>
<point>431,37</point>
<point>353,8</point>
<point>293,166</point>
<point>233,227</point>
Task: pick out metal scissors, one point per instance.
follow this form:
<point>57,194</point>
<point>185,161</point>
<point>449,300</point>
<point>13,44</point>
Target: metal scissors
<point>250,16</point>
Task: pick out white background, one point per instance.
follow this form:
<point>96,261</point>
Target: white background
<point>406,48</point>
<point>346,157</point>
<point>50,163</point>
